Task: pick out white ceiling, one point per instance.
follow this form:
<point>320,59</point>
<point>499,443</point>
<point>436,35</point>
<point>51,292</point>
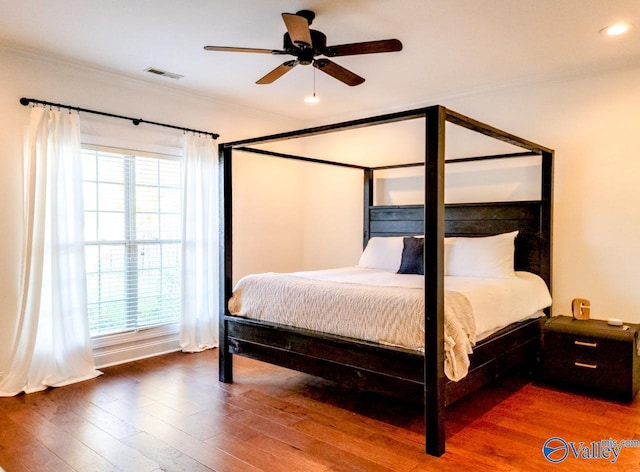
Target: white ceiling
<point>451,47</point>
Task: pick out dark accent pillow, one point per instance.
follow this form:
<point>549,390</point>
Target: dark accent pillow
<point>412,256</point>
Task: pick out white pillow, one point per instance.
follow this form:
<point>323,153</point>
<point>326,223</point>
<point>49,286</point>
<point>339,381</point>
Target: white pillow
<point>490,257</point>
<point>382,253</point>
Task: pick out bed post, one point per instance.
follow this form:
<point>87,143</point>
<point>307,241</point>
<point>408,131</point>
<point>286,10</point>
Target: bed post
<point>546,196</point>
<point>225,360</point>
<point>368,202</point>
<point>434,378</point>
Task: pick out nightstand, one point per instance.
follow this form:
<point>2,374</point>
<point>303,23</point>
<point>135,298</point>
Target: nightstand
<point>592,356</point>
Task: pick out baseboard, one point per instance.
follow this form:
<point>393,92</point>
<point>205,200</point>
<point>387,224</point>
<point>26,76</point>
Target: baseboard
<point>127,347</point>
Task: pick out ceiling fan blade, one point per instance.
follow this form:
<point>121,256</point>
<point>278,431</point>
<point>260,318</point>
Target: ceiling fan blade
<point>368,47</point>
<point>278,72</point>
<point>232,49</point>
<point>298,28</point>
<point>338,72</point>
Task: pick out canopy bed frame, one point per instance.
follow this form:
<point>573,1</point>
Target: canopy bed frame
<point>385,369</point>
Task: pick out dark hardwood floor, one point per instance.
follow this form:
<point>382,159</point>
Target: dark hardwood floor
<point>170,413</point>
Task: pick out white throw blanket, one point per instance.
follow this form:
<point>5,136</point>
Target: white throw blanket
<point>392,315</point>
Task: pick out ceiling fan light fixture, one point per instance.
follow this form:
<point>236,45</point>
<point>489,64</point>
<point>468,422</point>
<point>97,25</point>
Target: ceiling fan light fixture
<point>312,99</point>
<point>616,29</point>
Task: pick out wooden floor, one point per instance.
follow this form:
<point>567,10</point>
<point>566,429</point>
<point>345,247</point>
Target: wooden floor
<point>170,413</point>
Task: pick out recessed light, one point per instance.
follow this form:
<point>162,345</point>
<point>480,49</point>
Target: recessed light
<point>616,29</point>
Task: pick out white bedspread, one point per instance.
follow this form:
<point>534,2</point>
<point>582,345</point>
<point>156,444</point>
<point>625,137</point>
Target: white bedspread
<point>388,308</point>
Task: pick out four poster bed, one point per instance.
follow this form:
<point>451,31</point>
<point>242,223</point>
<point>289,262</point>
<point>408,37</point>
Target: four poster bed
<point>387,367</point>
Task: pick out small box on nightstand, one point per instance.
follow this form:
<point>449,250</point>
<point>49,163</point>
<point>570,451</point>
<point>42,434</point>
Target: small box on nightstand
<point>592,356</point>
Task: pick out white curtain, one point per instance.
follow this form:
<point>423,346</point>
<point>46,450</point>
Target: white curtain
<point>199,322</point>
<point>51,345</point>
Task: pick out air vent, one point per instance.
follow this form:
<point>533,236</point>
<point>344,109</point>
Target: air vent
<point>164,73</point>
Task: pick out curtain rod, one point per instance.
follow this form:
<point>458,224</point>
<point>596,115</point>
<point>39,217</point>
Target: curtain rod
<point>136,121</point>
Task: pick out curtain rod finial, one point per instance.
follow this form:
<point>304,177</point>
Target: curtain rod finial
<point>24,101</point>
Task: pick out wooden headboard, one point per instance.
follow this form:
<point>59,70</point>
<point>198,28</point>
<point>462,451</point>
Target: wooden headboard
<point>532,253</point>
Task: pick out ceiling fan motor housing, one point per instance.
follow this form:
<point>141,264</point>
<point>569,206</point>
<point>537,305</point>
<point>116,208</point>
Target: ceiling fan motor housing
<point>306,54</point>
<point>307,14</point>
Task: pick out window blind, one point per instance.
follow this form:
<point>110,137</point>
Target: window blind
<point>132,209</point>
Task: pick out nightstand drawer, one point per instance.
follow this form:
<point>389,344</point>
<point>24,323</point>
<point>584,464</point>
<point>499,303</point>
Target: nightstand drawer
<point>587,362</point>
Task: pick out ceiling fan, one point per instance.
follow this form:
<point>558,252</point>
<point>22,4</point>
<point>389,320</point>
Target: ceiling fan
<point>306,44</point>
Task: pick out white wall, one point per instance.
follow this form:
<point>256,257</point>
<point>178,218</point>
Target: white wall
<point>27,76</point>
<point>268,214</point>
<point>333,216</point>
<point>592,123</point>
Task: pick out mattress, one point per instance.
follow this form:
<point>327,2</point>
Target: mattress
<point>388,308</point>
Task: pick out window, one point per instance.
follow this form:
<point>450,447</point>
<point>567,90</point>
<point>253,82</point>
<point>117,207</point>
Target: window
<point>133,207</point>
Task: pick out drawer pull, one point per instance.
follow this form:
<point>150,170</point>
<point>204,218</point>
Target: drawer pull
<point>588,366</point>
<point>586,344</point>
